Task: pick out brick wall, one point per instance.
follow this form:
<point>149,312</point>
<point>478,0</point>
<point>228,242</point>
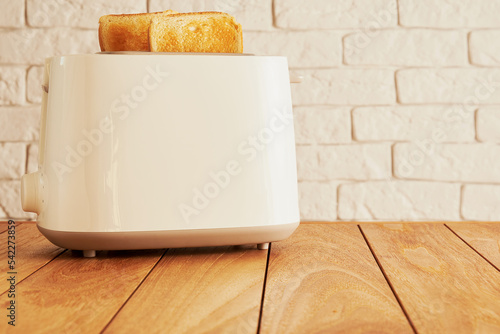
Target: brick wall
<point>398,115</point>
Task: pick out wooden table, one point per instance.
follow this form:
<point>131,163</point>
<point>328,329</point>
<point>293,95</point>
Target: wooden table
<point>326,278</point>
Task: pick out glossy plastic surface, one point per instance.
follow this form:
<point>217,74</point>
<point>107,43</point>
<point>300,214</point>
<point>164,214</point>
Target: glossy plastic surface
<point>162,142</point>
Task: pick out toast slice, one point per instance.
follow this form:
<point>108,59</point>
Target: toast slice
<point>127,32</point>
<point>196,32</point>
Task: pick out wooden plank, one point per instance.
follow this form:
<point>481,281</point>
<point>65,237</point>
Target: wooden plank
<point>3,226</point>
<point>483,237</point>
<point>73,294</point>
<point>209,290</point>
<point>444,286</point>
<point>33,251</point>
<point>325,279</point>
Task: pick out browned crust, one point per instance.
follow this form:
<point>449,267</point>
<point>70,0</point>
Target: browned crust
<point>101,42</point>
<point>241,38</point>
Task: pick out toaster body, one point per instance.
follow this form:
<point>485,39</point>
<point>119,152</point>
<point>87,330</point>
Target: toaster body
<point>164,150</point>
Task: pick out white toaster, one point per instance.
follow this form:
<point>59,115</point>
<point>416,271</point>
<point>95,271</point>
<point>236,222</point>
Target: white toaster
<point>159,150</point>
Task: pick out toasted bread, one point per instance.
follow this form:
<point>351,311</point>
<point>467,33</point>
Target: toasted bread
<point>196,32</point>
<point>127,32</point>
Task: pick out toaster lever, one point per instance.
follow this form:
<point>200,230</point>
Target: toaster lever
<point>31,192</point>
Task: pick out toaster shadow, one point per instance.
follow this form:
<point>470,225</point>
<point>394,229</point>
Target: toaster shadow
<point>213,250</point>
<point>169,251</point>
<point>120,253</point>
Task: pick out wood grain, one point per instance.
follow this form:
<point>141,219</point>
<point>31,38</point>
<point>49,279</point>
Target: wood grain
<point>73,294</point>
<point>324,279</point>
<point>204,290</point>
<point>3,226</point>
<point>442,283</point>
<point>483,237</point>
<point>33,251</point>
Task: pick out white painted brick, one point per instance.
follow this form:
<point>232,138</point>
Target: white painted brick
<point>488,124</point>
<point>78,13</point>
<point>251,14</point>
<point>328,14</point>
<point>322,125</point>
<point>34,84</point>
<point>32,165</point>
<point>399,200</point>
<point>10,200</point>
<point>307,162</point>
<point>12,13</point>
<point>449,85</point>
<point>481,202</point>
<point>12,85</point>
<point>447,162</point>
<point>485,47</point>
<point>406,123</point>
<point>345,87</point>
<point>409,47</point>
<point>302,48</point>
<point>32,46</point>
<point>323,165</point>
<point>348,162</point>
<point>449,14</point>
<point>318,201</point>
<point>19,123</point>
<point>12,160</point>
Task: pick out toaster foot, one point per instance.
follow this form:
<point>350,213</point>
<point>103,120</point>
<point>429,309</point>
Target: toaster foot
<point>264,245</point>
<point>89,253</point>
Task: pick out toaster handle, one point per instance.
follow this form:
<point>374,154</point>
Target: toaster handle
<point>31,196</point>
